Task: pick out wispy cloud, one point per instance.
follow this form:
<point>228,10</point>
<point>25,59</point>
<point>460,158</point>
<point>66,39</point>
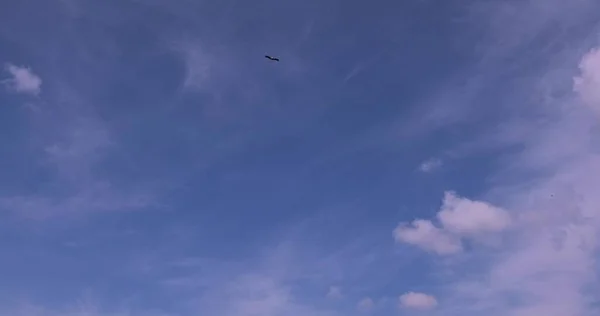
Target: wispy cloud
<point>335,293</point>
<point>69,142</point>
<point>93,198</point>
<point>361,66</point>
<point>430,165</point>
<point>199,66</point>
<point>365,305</point>
<point>85,307</point>
<point>265,285</point>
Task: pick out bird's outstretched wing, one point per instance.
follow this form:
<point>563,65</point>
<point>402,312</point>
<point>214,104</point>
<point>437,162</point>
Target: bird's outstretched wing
<point>272,58</point>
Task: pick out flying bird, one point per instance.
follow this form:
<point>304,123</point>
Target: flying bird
<point>272,58</point>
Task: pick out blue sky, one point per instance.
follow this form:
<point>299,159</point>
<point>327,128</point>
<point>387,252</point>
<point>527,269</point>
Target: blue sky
<point>404,158</point>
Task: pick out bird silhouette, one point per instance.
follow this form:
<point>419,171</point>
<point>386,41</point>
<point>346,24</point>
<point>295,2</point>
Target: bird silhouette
<point>272,58</point>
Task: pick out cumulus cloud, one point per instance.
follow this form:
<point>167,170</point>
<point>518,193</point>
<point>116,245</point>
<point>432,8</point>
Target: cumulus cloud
<point>414,300</point>
<point>552,264</point>
<point>23,80</point>
<point>587,85</point>
<point>462,216</point>
<point>459,218</point>
<point>430,165</point>
<point>549,184</point>
<point>335,292</point>
<point>424,234</point>
<point>550,267</point>
<point>366,304</point>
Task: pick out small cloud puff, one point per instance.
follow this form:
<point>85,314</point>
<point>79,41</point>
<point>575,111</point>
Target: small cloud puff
<point>424,234</point>
<point>23,80</point>
<point>366,304</point>
<point>334,293</point>
<point>430,165</point>
<point>459,218</point>
<point>415,300</point>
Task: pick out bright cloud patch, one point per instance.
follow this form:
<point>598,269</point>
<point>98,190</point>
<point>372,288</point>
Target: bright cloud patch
<point>424,234</point>
<point>23,80</point>
<point>588,83</point>
<point>417,301</point>
<point>459,217</point>
<point>462,216</point>
<point>549,265</point>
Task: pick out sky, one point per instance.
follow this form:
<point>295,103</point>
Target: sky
<point>412,157</point>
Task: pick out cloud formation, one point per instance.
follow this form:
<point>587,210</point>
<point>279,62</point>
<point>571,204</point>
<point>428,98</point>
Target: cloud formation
<point>459,218</point>
<point>425,234</point>
<point>335,292</point>
<point>419,301</point>
<point>464,217</point>
<point>366,304</point>
<point>23,80</point>
<point>430,165</point>
<point>547,264</point>
<point>132,122</point>
<point>587,84</point>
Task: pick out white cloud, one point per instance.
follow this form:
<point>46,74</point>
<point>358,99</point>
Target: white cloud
<point>548,183</point>
<point>415,300</point>
<point>23,80</point>
<point>462,216</point>
<point>366,304</point>
<point>334,292</point>
<point>550,267</point>
<point>424,234</point>
<point>587,85</point>
<point>430,165</point>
